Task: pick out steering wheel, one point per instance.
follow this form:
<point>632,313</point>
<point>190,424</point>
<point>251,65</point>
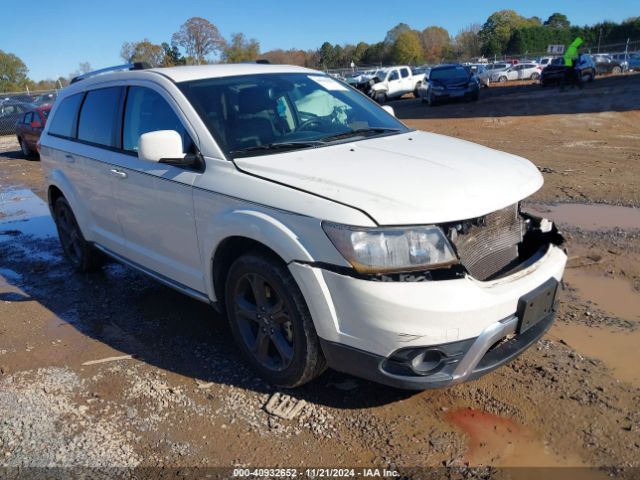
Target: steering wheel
<point>307,123</point>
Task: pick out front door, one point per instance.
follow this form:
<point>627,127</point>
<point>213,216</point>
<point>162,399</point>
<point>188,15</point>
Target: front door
<point>155,200</point>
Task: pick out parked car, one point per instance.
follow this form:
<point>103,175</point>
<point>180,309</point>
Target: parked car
<point>485,76</point>
<point>10,112</point>
<point>521,71</point>
<point>395,82</point>
<point>45,99</point>
<point>29,128</point>
<point>606,64</point>
<point>628,61</point>
<point>554,73</point>
<point>451,82</point>
<point>545,61</point>
<point>327,236</point>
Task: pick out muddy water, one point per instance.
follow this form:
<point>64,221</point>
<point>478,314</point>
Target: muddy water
<point>617,349</point>
<point>589,217</point>
<point>500,442</point>
<point>614,295</point>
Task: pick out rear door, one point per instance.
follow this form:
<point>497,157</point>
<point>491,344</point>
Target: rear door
<point>97,134</point>
<point>154,200</point>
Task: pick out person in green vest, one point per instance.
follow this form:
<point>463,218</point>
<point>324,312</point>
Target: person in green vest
<point>571,60</point>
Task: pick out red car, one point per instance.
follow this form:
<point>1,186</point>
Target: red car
<point>29,128</point>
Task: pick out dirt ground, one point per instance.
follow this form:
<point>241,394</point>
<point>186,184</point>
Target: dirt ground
<point>184,398</point>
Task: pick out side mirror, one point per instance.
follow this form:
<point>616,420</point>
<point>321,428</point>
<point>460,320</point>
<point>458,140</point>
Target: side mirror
<point>389,110</point>
<point>36,124</point>
<point>159,145</point>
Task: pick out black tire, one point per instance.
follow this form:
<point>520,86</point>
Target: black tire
<point>26,151</point>
<point>592,77</point>
<point>80,253</point>
<point>416,93</point>
<point>535,76</point>
<point>616,70</point>
<point>270,321</point>
<point>430,100</point>
<point>502,79</point>
<point>381,98</point>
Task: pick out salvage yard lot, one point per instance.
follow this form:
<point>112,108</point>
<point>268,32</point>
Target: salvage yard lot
<point>183,398</point>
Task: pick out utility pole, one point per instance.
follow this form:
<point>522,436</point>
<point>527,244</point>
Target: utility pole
<point>599,38</point>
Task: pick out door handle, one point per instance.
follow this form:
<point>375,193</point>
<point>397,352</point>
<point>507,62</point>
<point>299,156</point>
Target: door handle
<point>69,158</point>
<point>118,173</point>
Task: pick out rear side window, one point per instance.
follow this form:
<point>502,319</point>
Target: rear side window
<point>97,123</point>
<point>146,111</point>
<point>63,122</point>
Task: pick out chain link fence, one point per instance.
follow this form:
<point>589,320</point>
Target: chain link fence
<point>13,106</point>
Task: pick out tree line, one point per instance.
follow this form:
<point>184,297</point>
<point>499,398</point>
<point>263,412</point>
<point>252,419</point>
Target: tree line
<point>199,41</point>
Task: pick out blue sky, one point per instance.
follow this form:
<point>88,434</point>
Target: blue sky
<point>52,38</point>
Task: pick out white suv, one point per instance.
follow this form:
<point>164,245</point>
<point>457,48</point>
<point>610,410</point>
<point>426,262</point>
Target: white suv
<point>328,232</point>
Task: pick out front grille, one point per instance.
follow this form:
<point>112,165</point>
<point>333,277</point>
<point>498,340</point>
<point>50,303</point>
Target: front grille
<point>490,244</point>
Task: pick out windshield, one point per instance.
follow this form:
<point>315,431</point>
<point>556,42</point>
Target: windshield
<point>449,73</point>
<point>256,114</point>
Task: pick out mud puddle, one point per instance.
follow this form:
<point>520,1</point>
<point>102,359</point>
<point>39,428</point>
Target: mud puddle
<point>617,349</point>
<point>23,212</point>
<point>614,295</point>
<point>589,217</point>
<point>500,442</point>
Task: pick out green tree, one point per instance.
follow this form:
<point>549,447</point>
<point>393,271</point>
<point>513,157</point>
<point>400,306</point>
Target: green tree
<point>241,49</point>
<point>407,48</point>
<point>327,55</point>
<point>436,44</point>
<point>13,73</point>
<point>496,31</point>
<point>395,32</point>
<point>143,51</point>
<point>199,38</point>
<point>172,55</point>
<point>359,52</point>
<point>557,20</point>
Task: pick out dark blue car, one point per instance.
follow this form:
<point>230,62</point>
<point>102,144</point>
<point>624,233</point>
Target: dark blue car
<point>450,82</point>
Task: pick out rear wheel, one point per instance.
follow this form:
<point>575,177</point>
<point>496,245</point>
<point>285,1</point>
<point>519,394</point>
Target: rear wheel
<point>502,79</point>
<point>82,255</point>
<point>26,151</point>
<point>270,321</point>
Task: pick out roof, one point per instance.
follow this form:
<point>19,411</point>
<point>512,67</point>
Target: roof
<point>198,72</point>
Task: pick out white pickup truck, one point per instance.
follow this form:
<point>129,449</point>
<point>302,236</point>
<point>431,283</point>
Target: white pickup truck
<point>394,82</point>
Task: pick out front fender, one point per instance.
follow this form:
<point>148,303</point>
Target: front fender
<point>271,228</point>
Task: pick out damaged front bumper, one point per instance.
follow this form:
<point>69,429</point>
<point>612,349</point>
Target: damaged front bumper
<point>433,333</point>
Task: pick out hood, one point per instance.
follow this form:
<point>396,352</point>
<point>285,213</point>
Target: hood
<point>411,178</point>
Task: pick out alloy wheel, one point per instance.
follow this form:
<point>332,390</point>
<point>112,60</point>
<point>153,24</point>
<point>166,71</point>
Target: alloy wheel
<point>264,321</point>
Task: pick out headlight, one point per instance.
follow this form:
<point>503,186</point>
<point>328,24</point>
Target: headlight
<point>393,249</point>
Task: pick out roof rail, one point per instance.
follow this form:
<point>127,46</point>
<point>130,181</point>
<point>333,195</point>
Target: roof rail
<point>126,66</point>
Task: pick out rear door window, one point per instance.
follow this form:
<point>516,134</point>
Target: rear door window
<point>98,117</point>
<point>64,121</point>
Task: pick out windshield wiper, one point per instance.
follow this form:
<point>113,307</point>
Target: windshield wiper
<point>277,146</point>
<point>359,132</point>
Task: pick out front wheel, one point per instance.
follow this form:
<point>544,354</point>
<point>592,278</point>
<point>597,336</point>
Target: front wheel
<point>381,98</point>
<point>616,70</point>
<point>82,255</point>
<point>535,76</point>
<point>270,321</point>
<point>502,79</point>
